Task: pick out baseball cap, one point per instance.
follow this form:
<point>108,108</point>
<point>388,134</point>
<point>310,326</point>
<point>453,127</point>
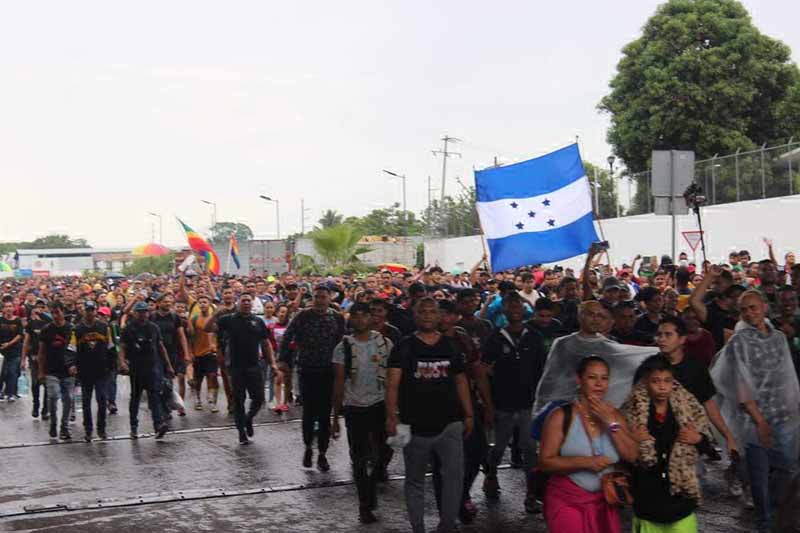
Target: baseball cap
<point>89,305</point>
<point>105,311</point>
<point>141,306</point>
<point>611,283</point>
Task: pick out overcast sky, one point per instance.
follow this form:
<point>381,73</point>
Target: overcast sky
<point>111,111</point>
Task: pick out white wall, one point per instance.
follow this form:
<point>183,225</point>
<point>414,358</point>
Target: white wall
<point>737,226</point>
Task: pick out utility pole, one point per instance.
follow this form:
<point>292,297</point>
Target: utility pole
<point>430,207</point>
<point>445,154</point>
<point>303,212</point>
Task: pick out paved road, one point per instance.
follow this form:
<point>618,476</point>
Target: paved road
<point>200,479</point>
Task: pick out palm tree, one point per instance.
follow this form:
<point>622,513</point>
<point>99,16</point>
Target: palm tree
<point>330,218</point>
<point>338,245</point>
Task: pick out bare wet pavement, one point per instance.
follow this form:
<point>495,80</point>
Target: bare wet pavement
<point>200,479</point>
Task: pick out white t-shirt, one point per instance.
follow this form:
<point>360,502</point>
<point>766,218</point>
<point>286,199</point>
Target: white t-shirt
<point>364,386</point>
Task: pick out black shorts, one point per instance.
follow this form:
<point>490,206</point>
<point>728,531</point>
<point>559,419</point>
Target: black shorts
<point>178,364</point>
<point>205,365</point>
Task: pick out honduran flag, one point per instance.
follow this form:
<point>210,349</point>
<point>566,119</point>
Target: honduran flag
<point>234,246</point>
<point>202,247</point>
<point>537,211</point>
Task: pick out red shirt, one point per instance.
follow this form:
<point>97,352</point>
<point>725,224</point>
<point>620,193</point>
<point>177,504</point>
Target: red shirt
<point>701,348</point>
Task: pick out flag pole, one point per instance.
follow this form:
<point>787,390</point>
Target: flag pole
<point>228,261</point>
<point>597,203</point>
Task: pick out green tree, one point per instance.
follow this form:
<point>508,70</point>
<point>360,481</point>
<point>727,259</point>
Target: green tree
<point>55,241</point>
<point>330,218</point>
<point>453,217</point>
<point>607,194</point>
<point>387,221</point>
<point>338,245</point>
<point>701,77</point>
<point>163,264</point>
<point>221,232</point>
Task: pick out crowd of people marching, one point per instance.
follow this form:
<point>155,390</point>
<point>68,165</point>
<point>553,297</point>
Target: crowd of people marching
<point>613,386</point>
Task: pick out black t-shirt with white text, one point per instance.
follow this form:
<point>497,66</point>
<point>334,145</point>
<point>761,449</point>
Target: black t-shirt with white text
<point>428,394</point>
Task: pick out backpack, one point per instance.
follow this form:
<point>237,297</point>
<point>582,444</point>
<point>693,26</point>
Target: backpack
<point>347,347</point>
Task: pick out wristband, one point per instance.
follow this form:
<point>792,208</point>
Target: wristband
<point>613,427</point>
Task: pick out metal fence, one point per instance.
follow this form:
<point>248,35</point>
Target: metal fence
<point>746,175</point>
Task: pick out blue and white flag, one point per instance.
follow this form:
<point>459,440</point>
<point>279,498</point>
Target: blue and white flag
<point>537,211</point>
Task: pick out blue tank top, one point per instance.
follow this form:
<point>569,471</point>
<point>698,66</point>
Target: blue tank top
<point>576,444</point>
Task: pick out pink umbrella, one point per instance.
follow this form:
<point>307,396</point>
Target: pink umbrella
<point>150,250</point>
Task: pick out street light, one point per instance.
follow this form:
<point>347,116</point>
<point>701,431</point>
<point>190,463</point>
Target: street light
<point>405,213</point>
<point>213,215</point>
<point>614,186</point>
<point>277,213</point>
<point>160,227</point>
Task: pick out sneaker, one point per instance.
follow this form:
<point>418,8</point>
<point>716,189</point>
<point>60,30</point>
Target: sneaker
<point>162,430</point>
<point>532,505</point>
<point>491,487</point>
<point>214,408</point>
<point>102,434</point>
<point>248,426</point>
<point>45,415</point>
<point>307,458</point>
<point>277,409</point>
<point>72,416</point>
<point>11,399</point>
<point>35,412</point>
<point>198,405</point>
<point>470,507</point>
<point>88,436</point>
<point>747,499</point>
<point>181,412</point>
<point>112,408</point>
<point>284,408</point>
<point>53,431</point>
<point>464,514</point>
<point>366,516</point>
<point>2,399</point>
<point>243,438</point>
<point>322,463</point>
<point>65,435</point>
<point>134,434</point>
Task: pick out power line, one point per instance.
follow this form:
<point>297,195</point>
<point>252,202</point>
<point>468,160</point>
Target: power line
<point>445,154</point>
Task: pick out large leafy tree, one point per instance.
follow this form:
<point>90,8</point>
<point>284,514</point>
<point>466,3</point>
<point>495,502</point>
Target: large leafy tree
<point>387,221</point>
<point>164,264</point>
<point>55,241</point>
<point>454,216</point>
<point>701,77</point>
<point>607,193</point>
<point>221,232</point>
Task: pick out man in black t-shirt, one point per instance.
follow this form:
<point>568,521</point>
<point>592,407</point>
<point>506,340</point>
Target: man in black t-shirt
<point>671,338</point>
<point>173,335</point>
<point>248,340</point>
<point>515,358</point>
<point>94,342</point>
<point>426,384</point>
<point>144,357</point>
<point>11,333</point>
<point>57,368</point>
<point>30,350</point>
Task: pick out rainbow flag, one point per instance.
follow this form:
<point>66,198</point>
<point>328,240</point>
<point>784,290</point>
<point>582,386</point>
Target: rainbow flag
<point>201,246</point>
<point>235,251</point>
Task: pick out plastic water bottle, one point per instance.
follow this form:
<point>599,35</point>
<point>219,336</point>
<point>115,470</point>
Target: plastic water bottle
<point>23,387</point>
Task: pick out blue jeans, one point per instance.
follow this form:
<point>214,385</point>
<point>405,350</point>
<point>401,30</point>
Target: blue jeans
<point>58,387</point>
<point>152,384</point>
<point>770,470</point>
<point>10,371</point>
<point>98,386</point>
<point>111,390</point>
